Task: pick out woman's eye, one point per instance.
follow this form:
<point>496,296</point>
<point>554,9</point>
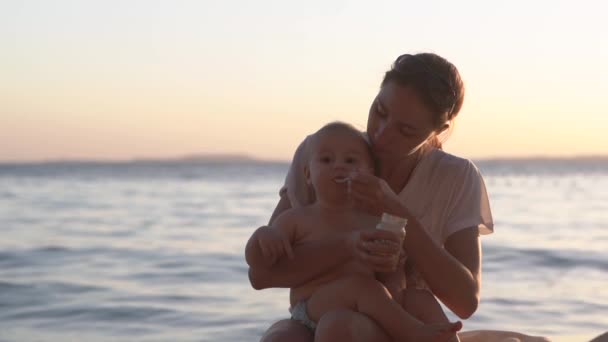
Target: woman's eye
<point>325,160</point>
<point>406,132</point>
<point>351,160</point>
<point>380,111</point>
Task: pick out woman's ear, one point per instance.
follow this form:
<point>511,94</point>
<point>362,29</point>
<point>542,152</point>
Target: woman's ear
<point>443,128</point>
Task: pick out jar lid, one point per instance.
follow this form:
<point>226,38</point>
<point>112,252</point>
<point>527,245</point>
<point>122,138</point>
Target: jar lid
<point>393,219</point>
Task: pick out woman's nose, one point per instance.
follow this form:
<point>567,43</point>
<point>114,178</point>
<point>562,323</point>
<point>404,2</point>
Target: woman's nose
<point>383,134</point>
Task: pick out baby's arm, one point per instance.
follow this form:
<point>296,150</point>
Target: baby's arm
<point>269,244</point>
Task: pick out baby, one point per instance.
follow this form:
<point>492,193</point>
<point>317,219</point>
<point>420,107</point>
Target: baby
<point>335,151</point>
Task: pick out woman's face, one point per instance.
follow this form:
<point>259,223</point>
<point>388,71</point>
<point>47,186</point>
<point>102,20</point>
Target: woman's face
<point>399,123</point>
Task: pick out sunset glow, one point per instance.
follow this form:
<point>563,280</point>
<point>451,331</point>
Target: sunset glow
<point>155,79</point>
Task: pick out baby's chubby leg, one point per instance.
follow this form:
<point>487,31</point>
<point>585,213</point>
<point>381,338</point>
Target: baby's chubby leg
<point>370,297</point>
<point>345,293</point>
<point>348,325</point>
<point>423,305</point>
<point>287,330</point>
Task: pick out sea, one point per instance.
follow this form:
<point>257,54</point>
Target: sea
<point>154,250</point>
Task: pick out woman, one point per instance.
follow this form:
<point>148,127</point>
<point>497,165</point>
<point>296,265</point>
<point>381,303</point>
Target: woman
<point>442,196</point>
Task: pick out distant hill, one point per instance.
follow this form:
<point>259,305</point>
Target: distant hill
<point>216,158</point>
<point>194,159</point>
<point>247,159</point>
<point>219,158</point>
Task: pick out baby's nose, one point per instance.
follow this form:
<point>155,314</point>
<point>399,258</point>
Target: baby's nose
<point>343,165</point>
<point>340,165</point>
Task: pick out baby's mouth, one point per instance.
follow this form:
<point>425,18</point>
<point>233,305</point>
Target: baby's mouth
<point>341,179</point>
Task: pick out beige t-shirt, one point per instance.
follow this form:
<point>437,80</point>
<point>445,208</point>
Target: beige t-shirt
<point>445,193</point>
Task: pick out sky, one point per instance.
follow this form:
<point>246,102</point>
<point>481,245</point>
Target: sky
<point>158,79</point>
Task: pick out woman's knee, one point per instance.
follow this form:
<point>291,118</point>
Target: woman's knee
<point>287,330</point>
<point>344,325</point>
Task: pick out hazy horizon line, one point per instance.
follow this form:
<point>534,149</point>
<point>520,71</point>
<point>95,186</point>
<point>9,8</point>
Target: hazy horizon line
<point>245,158</point>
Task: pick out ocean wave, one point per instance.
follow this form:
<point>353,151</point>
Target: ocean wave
<point>545,258</point>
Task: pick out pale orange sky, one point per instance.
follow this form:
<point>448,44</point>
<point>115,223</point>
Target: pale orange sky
<point>121,80</point>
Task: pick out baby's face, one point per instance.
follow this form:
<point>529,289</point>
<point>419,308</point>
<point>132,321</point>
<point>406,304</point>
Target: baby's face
<point>335,155</point>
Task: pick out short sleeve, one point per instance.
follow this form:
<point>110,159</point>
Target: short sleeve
<point>296,188</point>
<point>469,205</point>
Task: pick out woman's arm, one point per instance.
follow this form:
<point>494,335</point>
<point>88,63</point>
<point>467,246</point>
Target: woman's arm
<point>315,258</point>
<point>281,207</point>
<point>453,273</point>
<point>310,260</point>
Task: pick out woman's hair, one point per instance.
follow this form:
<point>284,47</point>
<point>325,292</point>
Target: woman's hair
<point>436,81</point>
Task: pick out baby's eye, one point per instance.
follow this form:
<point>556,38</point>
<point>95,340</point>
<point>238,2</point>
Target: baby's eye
<point>351,160</point>
<point>325,160</point>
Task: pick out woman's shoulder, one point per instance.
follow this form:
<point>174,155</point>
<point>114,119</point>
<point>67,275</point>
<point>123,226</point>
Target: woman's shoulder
<point>447,162</point>
<point>451,169</point>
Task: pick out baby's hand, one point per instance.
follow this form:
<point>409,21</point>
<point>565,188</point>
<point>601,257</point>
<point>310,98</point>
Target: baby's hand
<point>274,244</point>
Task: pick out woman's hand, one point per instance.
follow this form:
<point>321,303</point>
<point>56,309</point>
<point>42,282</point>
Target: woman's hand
<point>380,249</point>
<point>374,196</point>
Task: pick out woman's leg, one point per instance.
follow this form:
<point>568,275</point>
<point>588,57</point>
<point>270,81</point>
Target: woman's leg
<point>345,325</point>
<point>423,305</point>
<point>498,336</point>
<point>287,330</point>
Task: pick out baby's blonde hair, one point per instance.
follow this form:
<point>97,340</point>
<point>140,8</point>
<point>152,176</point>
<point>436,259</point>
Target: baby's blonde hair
<point>345,127</point>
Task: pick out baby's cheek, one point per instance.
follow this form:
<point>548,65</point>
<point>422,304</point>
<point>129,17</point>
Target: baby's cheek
<point>366,170</point>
